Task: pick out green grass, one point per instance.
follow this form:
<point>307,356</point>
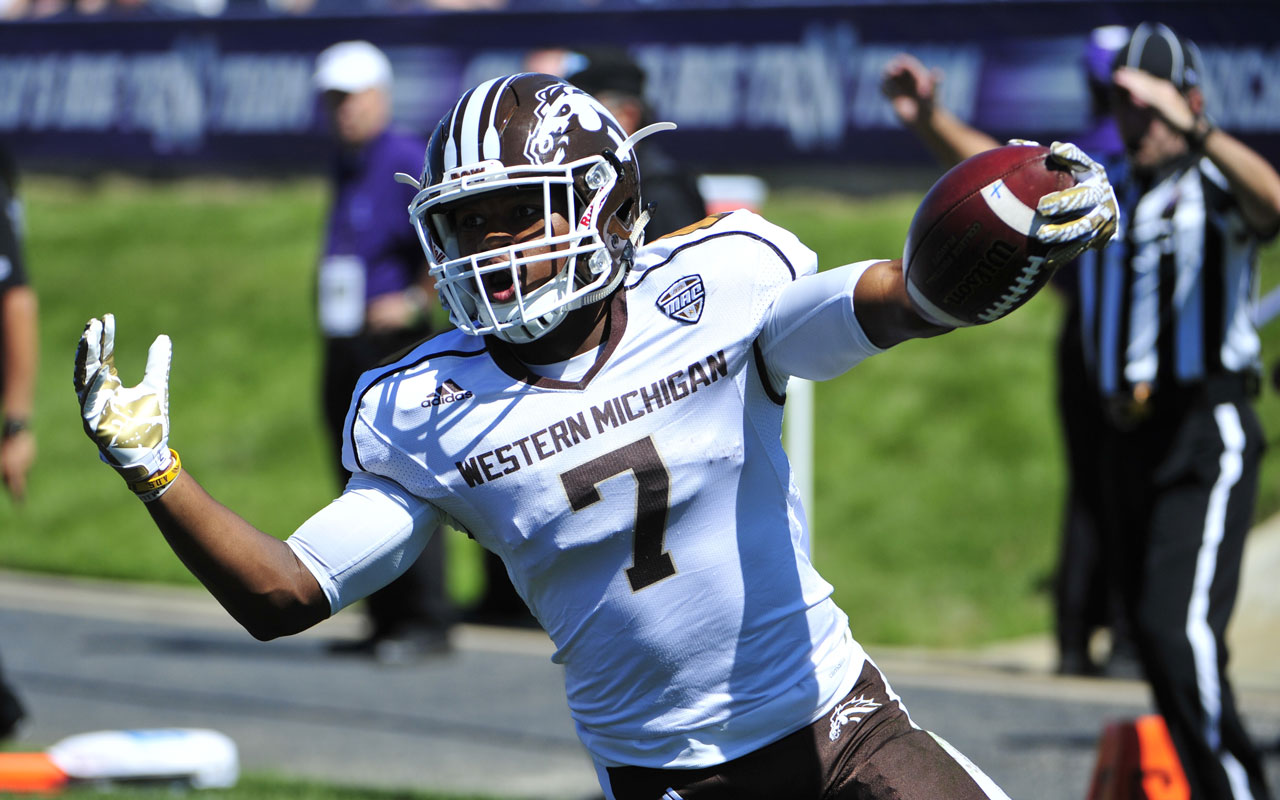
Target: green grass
<point>226,269</point>
<point>939,468</point>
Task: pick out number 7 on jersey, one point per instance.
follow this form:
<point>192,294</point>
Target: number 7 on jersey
<point>653,494</point>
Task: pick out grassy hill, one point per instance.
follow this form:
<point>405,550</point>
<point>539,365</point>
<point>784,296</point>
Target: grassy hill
<point>939,467</point>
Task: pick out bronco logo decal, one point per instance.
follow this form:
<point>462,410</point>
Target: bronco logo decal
<point>558,107</point>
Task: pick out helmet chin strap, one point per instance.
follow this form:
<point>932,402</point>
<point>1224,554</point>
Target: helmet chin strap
<point>607,289</point>
<point>637,235</point>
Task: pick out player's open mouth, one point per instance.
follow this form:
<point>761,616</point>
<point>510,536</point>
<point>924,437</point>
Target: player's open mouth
<point>500,287</point>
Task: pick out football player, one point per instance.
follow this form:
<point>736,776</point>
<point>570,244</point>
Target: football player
<point>606,418</point>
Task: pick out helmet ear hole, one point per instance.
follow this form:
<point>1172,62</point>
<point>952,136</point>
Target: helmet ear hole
<point>624,210</point>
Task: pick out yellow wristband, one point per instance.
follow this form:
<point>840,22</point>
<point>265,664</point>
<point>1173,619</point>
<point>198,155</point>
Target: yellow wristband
<point>155,485</point>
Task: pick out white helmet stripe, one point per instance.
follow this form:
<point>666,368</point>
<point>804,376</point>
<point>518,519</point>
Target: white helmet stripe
<point>491,145</point>
<point>451,144</point>
<point>469,133</point>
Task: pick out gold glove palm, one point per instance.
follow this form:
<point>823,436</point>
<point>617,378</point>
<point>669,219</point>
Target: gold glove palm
<point>130,425</point>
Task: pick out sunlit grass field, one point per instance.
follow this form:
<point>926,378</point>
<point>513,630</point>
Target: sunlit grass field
<point>938,465</point>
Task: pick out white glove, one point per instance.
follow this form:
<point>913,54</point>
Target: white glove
<point>130,426</point>
<point>1073,231</point>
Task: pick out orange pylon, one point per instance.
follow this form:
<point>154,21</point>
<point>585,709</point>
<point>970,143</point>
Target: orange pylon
<point>1137,761</point>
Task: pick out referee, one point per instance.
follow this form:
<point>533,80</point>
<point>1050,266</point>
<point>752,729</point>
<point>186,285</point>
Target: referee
<point>18,362</point>
<point>1173,359</point>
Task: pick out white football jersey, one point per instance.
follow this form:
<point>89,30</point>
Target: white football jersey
<point>646,512</point>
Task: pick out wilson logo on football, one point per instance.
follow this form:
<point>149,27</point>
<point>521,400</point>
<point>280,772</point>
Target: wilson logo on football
<point>683,300</point>
<point>447,392</point>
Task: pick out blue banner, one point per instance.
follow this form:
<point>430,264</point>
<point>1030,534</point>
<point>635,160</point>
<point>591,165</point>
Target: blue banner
<point>750,87</point>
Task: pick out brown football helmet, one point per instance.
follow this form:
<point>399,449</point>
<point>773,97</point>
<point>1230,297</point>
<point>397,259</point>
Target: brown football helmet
<point>531,132</point>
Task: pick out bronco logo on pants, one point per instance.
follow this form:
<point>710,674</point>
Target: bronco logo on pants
<point>850,713</point>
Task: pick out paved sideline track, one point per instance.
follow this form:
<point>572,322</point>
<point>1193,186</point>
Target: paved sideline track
<point>491,717</point>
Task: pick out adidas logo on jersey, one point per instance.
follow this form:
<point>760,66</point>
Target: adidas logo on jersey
<point>447,392</point>
<point>683,299</point>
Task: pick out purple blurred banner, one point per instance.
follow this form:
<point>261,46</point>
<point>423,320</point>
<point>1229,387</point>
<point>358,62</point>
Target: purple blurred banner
<point>751,87</point>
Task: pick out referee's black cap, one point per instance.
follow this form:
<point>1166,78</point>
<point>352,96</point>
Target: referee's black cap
<point>1153,47</point>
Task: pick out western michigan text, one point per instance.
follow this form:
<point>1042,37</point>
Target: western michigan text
<point>578,427</point>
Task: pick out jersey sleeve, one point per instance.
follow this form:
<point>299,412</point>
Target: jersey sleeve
<point>367,443</point>
<point>364,539</point>
<point>803,321</point>
<point>782,260</point>
<point>746,259</point>
<point>1225,204</point>
<point>782,257</point>
<point>811,330</point>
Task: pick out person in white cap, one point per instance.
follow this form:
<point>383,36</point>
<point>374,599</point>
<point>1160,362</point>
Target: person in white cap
<point>373,302</point>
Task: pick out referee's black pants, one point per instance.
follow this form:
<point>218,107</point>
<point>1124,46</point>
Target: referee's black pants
<point>1179,491</point>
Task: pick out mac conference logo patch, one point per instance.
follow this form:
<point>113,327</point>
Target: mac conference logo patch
<point>683,300</point>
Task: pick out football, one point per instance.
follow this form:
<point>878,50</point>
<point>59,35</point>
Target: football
<point>969,257</point>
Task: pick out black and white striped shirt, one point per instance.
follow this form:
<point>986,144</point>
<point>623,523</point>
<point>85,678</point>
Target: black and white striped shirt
<point>1168,302</point>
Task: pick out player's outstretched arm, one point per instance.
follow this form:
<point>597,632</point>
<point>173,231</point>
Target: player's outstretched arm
<point>255,576</point>
<point>809,332</point>
<point>886,311</point>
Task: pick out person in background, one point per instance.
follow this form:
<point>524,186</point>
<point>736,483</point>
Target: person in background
<point>18,346</point>
<point>1172,364</point>
<point>670,188</point>
<point>373,302</point>
<point>1084,598</point>
<point>18,361</point>
<point>12,712</point>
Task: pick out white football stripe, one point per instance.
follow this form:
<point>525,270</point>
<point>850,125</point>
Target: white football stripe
<point>1011,211</point>
<point>939,316</point>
